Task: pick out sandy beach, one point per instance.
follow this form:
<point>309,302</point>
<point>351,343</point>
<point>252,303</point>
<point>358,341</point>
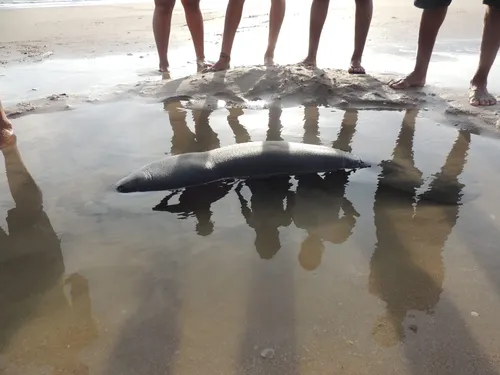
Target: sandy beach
<point>348,273</point>
<point>87,31</point>
<point>111,46</point>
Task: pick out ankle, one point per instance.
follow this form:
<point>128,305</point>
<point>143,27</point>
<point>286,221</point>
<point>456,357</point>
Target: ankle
<point>479,80</point>
<point>356,57</point>
<point>478,84</point>
<point>419,73</point>
<point>270,51</point>
<point>310,58</point>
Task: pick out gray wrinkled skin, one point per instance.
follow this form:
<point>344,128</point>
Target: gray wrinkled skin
<point>252,159</point>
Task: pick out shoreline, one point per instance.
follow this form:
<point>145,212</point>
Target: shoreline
<point>65,3</point>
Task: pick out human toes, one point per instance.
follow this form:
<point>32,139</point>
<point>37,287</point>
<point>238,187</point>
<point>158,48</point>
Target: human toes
<point>398,84</point>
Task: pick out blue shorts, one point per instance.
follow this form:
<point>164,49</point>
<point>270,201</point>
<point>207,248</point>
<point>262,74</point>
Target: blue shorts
<point>430,4</point>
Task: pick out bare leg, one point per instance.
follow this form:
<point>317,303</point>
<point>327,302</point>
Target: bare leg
<point>194,20</point>
<point>276,16</point>
<point>6,132</point>
<point>162,20</point>
<point>478,93</point>
<point>364,13</point>
<point>319,11</point>
<point>232,21</point>
<point>430,23</point>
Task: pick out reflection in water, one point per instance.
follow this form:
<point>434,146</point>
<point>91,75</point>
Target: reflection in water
<point>318,201</point>
<point>183,139</point>
<point>196,200</point>
<point>270,208</point>
<point>274,126</point>
<point>271,201</point>
<point>38,325</point>
<point>311,125</point>
<point>315,207</point>
<point>240,132</point>
<point>407,269</point>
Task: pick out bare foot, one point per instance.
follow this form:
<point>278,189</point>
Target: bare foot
<point>222,64</point>
<point>268,60</point>
<point>163,68</point>
<point>7,136</point>
<point>201,65</point>
<point>411,80</point>
<point>479,96</point>
<point>166,75</point>
<point>356,68</point>
<point>308,62</point>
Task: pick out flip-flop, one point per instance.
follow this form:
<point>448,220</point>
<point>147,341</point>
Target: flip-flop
<point>356,70</point>
<point>307,65</point>
<point>403,84</point>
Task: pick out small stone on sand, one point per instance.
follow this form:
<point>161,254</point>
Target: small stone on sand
<point>267,353</point>
<point>474,314</point>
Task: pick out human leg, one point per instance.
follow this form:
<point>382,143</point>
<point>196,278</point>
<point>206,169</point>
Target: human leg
<point>194,20</point>
<point>478,92</point>
<point>233,17</point>
<point>162,20</point>
<point>433,15</point>
<point>276,16</point>
<point>319,11</point>
<point>364,12</point>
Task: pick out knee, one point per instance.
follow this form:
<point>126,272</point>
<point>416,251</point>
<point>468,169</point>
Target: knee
<point>166,6</point>
<point>191,5</point>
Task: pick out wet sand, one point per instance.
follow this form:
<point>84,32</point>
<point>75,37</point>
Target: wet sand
<point>336,274</point>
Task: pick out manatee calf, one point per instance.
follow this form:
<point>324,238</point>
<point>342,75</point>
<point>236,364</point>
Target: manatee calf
<point>243,160</point>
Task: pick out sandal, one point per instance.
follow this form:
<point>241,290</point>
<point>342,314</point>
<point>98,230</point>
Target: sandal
<point>356,69</point>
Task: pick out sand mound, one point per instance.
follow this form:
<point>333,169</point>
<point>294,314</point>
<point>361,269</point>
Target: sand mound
<point>290,84</point>
<point>259,87</point>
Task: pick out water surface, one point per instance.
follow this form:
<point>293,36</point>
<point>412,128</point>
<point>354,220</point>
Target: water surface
<point>339,273</point>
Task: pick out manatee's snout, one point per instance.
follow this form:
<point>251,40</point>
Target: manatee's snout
<point>123,187</point>
<point>128,184</point>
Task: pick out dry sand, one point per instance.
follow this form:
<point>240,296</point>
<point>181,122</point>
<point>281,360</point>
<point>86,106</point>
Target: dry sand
<point>83,31</point>
<point>80,31</point>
